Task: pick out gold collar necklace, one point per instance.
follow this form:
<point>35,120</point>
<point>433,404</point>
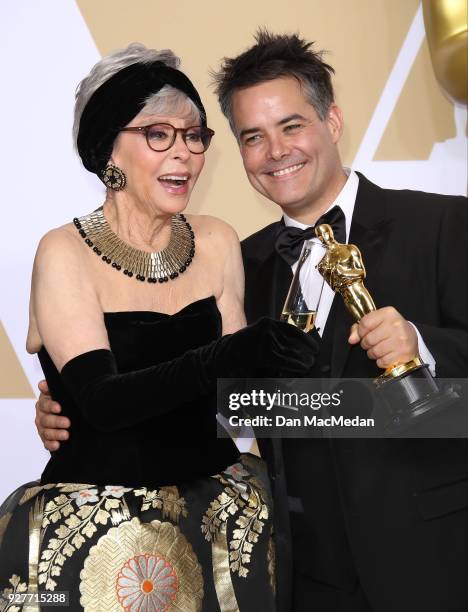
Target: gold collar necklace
<point>158,266</point>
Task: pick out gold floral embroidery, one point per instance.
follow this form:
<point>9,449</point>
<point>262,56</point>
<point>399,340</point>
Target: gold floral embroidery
<point>18,587</point>
<point>143,565</point>
<point>36,514</point>
<point>94,508</point>
<point>271,560</point>
<point>166,499</point>
<point>78,525</point>
<point>258,478</point>
<point>72,487</point>
<point>218,513</point>
<point>222,576</point>
<point>32,491</point>
<point>239,495</point>
<point>35,519</point>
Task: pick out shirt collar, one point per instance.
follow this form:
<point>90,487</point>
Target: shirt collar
<point>346,200</point>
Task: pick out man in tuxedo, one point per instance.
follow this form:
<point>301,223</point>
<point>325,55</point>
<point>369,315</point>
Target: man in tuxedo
<point>375,525</point>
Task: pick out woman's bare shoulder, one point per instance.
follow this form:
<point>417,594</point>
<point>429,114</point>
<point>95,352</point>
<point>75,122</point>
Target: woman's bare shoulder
<point>63,291</point>
<point>64,236</point>
<point>61,260</point>
<point>59,244</point>
<point>207,226</point>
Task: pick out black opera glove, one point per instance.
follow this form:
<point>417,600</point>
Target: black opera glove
<point>267,348</point>
<point>107,398</point>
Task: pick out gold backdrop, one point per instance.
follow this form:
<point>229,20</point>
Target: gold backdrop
<point>363,37</point>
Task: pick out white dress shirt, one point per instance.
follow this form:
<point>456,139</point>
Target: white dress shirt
<point>346,200</point>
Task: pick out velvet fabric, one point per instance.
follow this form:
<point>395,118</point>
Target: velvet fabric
<point>155,392</point>
<point>103,394</point>
<point>117,101</point>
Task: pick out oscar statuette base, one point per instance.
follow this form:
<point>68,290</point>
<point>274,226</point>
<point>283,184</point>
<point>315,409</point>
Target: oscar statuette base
<point>412,397</point>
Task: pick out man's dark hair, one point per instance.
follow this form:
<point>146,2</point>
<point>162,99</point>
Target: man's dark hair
<point>274,56</point>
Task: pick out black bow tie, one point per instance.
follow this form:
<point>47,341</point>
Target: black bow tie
<point>289,240</point>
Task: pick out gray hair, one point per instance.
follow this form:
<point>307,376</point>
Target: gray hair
<point>167,101</point>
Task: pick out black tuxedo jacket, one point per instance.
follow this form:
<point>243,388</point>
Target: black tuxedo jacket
<point>392,514</point>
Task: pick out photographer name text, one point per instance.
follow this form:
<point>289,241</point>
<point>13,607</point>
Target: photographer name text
<point>303,421</point>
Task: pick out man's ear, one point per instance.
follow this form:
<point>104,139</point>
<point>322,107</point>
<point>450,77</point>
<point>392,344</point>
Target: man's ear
<point>334,120</point>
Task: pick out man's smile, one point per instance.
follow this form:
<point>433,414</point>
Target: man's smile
<point>287,171</point>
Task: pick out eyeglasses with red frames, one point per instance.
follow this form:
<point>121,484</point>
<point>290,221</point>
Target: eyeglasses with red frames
<point>161,136</point>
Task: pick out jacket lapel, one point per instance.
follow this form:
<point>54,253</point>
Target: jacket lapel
<point>370,228</point>
<point>272,283</point>
<point>267,281</point>
<point>283,277</point>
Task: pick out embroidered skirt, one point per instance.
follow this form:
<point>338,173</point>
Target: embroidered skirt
<point>205,545</point>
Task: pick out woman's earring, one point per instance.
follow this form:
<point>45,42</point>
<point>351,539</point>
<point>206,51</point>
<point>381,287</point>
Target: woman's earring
<point>113,177</point>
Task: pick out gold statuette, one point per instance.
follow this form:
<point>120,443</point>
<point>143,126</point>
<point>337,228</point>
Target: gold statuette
<point>408,389</point>
<point>343,269</point>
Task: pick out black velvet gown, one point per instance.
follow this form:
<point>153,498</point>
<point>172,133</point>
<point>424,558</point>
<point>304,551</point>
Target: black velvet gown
<point>160,516</point>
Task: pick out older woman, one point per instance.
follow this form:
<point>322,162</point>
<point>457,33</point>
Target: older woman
<point>128,305</point>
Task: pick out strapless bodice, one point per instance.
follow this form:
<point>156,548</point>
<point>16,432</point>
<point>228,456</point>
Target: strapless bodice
<point>181,444</point>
